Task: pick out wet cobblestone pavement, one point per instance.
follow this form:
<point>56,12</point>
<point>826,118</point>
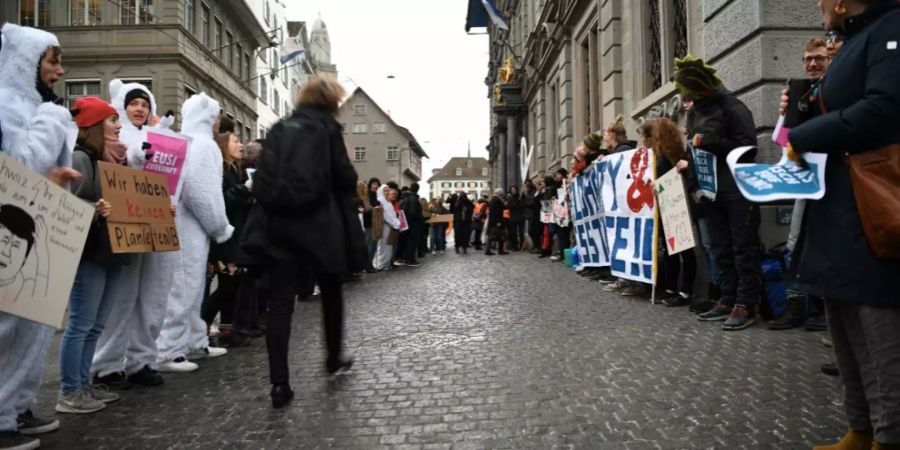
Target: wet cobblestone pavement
<point>467,352</point>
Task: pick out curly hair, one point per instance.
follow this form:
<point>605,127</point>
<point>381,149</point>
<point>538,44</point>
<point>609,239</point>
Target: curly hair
<point>362,194</point>
<point>667,139</point>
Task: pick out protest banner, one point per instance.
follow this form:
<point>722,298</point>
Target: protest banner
<point>629,213</point>
<point>782,181</point>
<point>141,220</point>
<point>587,218</point>
<point>170,150</point>
<point>705,168</point>
<point>440,218</point>
<point>547,211</point>
<point>44,229</point>
<point>675,212</point>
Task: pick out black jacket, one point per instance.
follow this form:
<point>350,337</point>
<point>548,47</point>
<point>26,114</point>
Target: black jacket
<point>495,216</point>
<point>238,201</point>
<point>305,187</point>
<point>862,102</point>
<point>412,209</point>
<point>726,124</point>
<point>516,206</point>
<point>97,248</point>
<point>462,210</point>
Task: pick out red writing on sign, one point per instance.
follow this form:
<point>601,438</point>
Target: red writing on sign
<point>640,192</point>
<point>136,211</point>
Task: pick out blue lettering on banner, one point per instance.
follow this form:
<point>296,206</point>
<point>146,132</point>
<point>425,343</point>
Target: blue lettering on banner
<point>613,174</point>
<point>783,181</point>
<point>705,168</point>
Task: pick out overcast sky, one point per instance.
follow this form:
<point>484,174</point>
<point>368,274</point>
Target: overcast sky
<point>438,92</point>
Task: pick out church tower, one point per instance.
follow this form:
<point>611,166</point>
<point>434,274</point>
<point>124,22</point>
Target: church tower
<point>320,50</point>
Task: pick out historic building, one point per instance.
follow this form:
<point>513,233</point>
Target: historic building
<point>272,79</point>
<point>567,67</point>
<point>470,175</point>
<point>378,146</point>
<point>177,47</point>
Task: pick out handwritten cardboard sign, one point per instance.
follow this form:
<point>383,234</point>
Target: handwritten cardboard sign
<point>170,150</point>
<point>675,213</point>
<point>440,218</point>
<point>43,229</point>
<point>141,220</point>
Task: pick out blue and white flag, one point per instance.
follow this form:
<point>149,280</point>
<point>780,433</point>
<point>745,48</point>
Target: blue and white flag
<point>291,49</point>
<point>494,14</point>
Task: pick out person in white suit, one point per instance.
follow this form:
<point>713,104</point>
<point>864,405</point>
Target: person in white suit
<point>201,217</point>
<point>41,135</point>
<point>127,348</point>
<point>391,222</point>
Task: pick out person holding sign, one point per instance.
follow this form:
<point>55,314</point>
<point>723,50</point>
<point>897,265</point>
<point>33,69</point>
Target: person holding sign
<point>137,105</point>
<point>100,269</point>
<point>201,217</point>
<point>38,133</point>
<point>718,122</point>
<point>664,137</point>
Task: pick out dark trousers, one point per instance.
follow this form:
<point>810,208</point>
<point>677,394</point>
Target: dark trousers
<point>734,238</point>
<point>562,236</point>
<point>495,234</point>
<point>423,238</point>
<point>536,232</point>
<point>412,243</point>
<point>246,308</point>
<point>867,348</point>
<point>284,281</point>
<point>516,234</point>
<point>683,264</point>
<point>462,231</point>
<point>477,228</point>
<point>222,301</point>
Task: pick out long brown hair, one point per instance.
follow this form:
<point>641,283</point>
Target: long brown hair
<point>93,139</point>
<point>324,95</point>
<point>223,140</point>
<point>362,194</point>
<point>668,140</point>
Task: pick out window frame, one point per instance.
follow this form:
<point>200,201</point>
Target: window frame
<point>134,7</point>
<point>379,127</point>
<point>359,109</point>
<point>81,82</point>
<point>389,150</point>
<point>85,19</point>
<point>218,33</point>
<point>357,151</point>
<point>360,128</point>
<point>190,16</point>
<point>35,21</point>
<point>205,24</point>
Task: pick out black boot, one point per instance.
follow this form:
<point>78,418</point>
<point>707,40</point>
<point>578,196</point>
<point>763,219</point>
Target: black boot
<point>281,395</point>
<point>334,366</point>
<point>795,315</point>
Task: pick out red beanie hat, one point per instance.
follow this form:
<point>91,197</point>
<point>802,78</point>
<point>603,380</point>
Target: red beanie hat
<point>89,111</point>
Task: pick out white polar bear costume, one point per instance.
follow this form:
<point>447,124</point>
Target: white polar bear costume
<point>201,217</point>
<point>386,251</point>
<point>41,136</point>
<point>129,341</point>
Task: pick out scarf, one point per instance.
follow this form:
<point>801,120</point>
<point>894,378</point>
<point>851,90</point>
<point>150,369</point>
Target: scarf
<point>114,151</point>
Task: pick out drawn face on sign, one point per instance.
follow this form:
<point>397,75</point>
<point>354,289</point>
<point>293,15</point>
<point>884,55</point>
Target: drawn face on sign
<point>16,239</point>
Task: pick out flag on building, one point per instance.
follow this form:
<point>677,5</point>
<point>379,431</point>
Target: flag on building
<point>291,49</point>
<point>494,14</point>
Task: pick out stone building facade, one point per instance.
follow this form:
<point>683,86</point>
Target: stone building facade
<point>177,47</point>
<point>378,146</point>
<point>471,175</point>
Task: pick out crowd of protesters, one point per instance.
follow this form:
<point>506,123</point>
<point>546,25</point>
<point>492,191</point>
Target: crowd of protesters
<point>287,232</point>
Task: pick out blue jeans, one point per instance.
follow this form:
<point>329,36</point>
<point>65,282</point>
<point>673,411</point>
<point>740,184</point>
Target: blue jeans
<point>712,267</point>
<point>371,244</point>
<point>89,306</point>
<point>438,241</point>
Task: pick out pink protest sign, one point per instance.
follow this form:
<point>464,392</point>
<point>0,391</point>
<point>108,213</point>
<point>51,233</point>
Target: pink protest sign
<point>169,151</point>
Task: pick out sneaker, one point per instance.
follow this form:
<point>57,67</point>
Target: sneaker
<point>830,369</point>
<point>116,381</point>
<point>14,440</point>
<point>400,263</point>
<point>555,258</point>
<point>78,402</point>
<point>433,253</point>
<point>826,341</point>
<point>180,364</point>
<point>208,352</point>
<point>414,264</point>
<point>741,317</point>
<point>29,424</point>
<point>101,393</point>
<point>619,284</point>
<point>442,252</point>
<point>634,290</point>
<point>719,311</point>
<point>676,300</point>
<point>817,323</point>
<point>146,377</point>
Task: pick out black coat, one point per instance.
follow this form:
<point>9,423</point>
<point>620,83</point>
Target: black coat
<point>238,201</point>
<point>516,206</point>
<point>462,211</point>
<point>862,100</point>
<point>305,187</point>
<point>726,124</point>
<point>495,216</point>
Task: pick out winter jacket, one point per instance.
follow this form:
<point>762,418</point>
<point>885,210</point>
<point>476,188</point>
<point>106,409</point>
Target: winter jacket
<point>305,187</point>
<point>97,248</point>
<point>412,208</point>
<point>38,134</point>
<point>495,215</point>
<point>463,210</point>
<point>726,124</point>
<point>130,135</point>
<point>516,207</point>
<point>625,146</point>
<point>862,101</point>
<point>238,201</point>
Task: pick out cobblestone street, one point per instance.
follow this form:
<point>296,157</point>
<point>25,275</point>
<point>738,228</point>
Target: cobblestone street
<point>507,352</point>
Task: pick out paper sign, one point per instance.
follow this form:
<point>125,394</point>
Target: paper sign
<point>705,168</point>
<point>675,212</point>
<point>440,218</point>
<point>43,229</point>
<point>141,220</point>
<point>169,154</point>
<point>587,219</point>
<point>783,181</point>
<point>547,211</point>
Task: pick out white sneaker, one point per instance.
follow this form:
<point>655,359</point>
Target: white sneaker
<point>555,258</point>
<point>179,364</point>
<point>433,253</point>
<point>208,352</point>
<point>101,393</point>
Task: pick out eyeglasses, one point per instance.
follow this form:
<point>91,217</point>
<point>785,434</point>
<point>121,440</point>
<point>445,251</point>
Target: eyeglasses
<point>833,37</point>
<point>817,58</point>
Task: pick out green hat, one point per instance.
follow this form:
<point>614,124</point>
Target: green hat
<point>593,142</point>
<point>693,77</point>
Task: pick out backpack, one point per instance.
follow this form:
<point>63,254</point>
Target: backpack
<point>774,290</point>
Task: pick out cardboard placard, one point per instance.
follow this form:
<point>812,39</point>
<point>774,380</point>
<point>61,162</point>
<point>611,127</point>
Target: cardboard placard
<point>440,218</point>
<point>43,229</point>
<point>675,212</point>
<point>170,151</point>
<point>140,221</point>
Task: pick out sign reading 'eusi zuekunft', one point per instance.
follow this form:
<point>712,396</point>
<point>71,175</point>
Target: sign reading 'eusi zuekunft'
<point>141,220</point>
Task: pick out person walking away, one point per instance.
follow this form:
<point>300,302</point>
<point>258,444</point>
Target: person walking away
<point>463,213</point>
<point>834,257</point>
<point>34,130</point>
<point>718,122</point>
<point>497,224</point>
<point>201,217</point>
<point>413,211</point>
<point>99,270</point>
<point>516,223</point>
<point>312,228</point>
